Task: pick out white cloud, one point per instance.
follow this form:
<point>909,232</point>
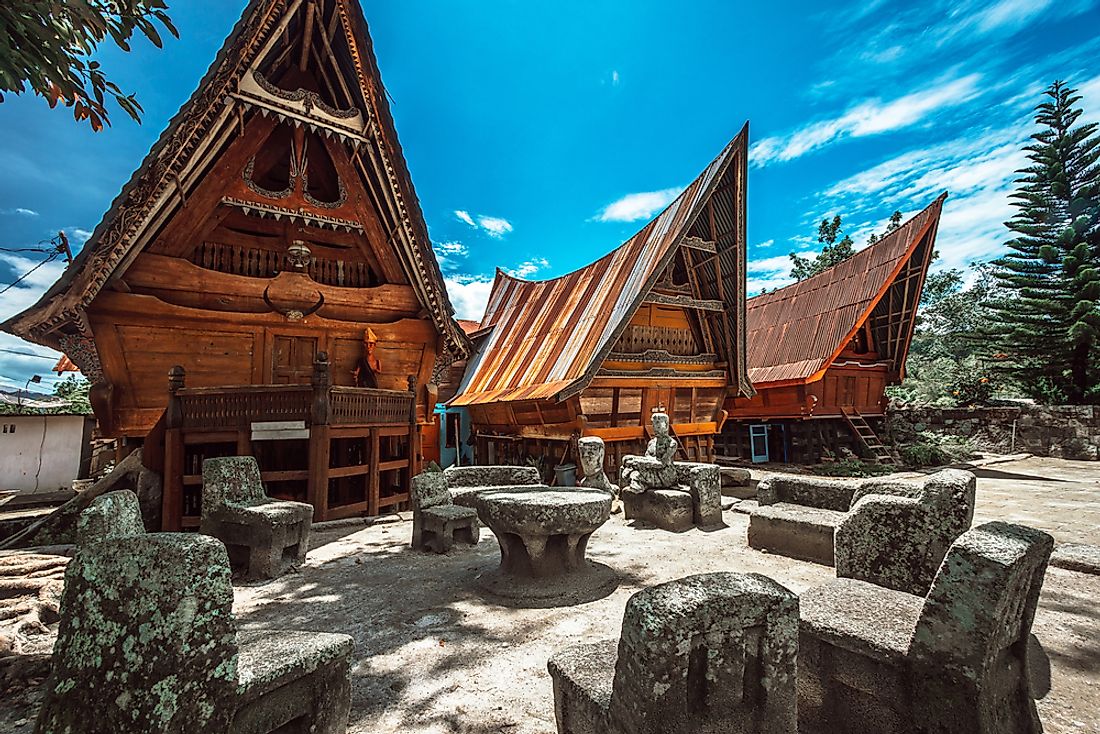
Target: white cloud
<point>494,226</point>
<point>469,294</point>
<point>642,205</point>
<point>870,117</point>
<point>16,368</point>
<point>529,267</point>
<point>615,78</point>
<point>765,243</point>
<point>20,211</point>
<point>451,249</point>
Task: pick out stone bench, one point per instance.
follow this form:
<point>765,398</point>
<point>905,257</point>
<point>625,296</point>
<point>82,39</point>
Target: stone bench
<point>799,516</point>
<point>467,482</point>
<point>708,653</point>
<point>147,644</point>
<point>264,537</point>
<point>695,502</point>
<point>873,659</point>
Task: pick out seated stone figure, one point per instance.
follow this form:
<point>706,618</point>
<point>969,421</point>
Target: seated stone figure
<point>265,537</point>
<point>708,653</point>
<point>147,644</point>
<point>593,453</point>
<point>437,521</point>
<point>954,661</point>
<point>673,495</point>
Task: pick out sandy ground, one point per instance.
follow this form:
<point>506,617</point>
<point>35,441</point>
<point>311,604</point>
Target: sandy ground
<point>433,654</point>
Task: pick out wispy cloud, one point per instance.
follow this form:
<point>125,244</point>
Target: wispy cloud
<point>19,211</point>
<point>765,243</point>
<point>495,227</point>
<point>615,78</point>
<point>529,267</point>
<point>451,249</point>
<point>870,117</point>
<point>642,205</point>
<point>16,368</point>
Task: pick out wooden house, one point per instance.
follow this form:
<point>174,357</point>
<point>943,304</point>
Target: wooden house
<point>656,323</point>
<point>271,254</point>
<point>822,351</point>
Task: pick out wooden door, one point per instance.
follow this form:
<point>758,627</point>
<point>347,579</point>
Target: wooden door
<point>292,359</point>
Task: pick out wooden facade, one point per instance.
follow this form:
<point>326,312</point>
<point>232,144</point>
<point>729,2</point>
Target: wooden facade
<point>233,284</point>
<point>657,323</point>
<point>823,350</point>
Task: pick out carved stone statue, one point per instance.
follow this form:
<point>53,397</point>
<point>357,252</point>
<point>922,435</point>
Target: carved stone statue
<point>591,450</point>
<point>655,470</point>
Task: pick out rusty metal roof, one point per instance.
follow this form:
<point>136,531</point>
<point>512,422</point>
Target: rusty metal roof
<point>795,332</point>
<point>544,337</point>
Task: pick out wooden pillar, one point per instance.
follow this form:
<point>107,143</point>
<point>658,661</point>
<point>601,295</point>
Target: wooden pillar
<point>319,439</point>
<point>172,494</point>
<point>372,475</point>
<point>414,434</point>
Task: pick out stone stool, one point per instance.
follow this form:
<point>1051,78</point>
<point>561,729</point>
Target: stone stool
<point>437,521</point>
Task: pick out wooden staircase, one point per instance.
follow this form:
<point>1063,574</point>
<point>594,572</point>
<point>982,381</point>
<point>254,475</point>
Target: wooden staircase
<point>880,452</point>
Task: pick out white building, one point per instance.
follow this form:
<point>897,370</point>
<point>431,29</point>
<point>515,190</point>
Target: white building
<point>44,453</point>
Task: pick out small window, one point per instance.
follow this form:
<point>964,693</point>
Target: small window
<point>453,428</point>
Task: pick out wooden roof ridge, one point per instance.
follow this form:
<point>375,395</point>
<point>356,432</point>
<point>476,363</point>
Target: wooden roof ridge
<point>798,331</point>
<point>579,315</point>
<point>108,250</point>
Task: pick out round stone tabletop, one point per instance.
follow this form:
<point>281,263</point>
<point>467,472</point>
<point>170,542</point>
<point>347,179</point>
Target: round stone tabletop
<point>545,512</point>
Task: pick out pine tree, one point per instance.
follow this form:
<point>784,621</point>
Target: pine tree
<point>1046,332</point>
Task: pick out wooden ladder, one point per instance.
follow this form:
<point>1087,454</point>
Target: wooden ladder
<point>880,452</point>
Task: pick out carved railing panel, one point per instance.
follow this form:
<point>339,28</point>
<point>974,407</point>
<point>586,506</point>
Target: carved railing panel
<point>233,408</point>
<point>637,339</point>
<point>361,405</point>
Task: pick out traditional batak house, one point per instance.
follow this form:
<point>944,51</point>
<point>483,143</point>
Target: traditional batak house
<point>822,351</point>
<point>656,323</point>
<point>271,254</point>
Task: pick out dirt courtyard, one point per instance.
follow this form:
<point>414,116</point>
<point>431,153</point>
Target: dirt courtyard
<point>434,655</point>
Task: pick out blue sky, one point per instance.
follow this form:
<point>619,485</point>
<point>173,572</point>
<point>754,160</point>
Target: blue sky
<point>542,135</point>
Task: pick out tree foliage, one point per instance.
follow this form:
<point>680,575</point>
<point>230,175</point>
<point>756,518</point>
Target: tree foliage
<point>835,249</point>
<point>1045,325</point>
<point>46,46</point>
<point>832,251</point>
<point>75,390</point>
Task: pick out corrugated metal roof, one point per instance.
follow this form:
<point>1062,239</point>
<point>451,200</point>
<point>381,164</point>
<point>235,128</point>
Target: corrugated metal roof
<point>547,335</point>
<point>797,331</point>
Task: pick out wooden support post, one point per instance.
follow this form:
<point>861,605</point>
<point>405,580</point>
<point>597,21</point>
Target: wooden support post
<point>172,494</point>
<point>414,434</point>
<point>372,475</point>
<point>319,440</point>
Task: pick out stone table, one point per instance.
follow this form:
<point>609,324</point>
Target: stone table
<point>543,535</point>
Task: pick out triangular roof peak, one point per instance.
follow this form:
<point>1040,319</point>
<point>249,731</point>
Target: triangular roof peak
<point>549,337</point>
<point>308,63</point>
<point>796,332</point>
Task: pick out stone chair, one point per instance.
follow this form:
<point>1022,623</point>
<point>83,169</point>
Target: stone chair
<point>147,644</point>
<point>873,659</point>
<point>467,482</point>
<point>798,516</point>
<point>707,653</point>
<point>695,502</point>
<point>265,537</point>
<point>109,516</point>
<point>437,521</point>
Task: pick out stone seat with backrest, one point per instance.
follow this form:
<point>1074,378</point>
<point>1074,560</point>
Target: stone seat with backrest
<point>148,644</point>
<point>265,537</point>
<point>954,661</point>
<point>798,516</point>
<point>467,482</point>
<point>437,521</point>
<point>707,653</point>
<point>696,501</point>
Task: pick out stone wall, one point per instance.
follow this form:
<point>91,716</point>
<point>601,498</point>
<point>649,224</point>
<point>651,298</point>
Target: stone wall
<point>1064,431</point>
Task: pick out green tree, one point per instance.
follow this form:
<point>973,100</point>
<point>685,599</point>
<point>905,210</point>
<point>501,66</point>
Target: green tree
<point>47,45</point>
<point>75,390</point>
<point>893,224</point>
<point>832,252</point>
<point>1044,328</point>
